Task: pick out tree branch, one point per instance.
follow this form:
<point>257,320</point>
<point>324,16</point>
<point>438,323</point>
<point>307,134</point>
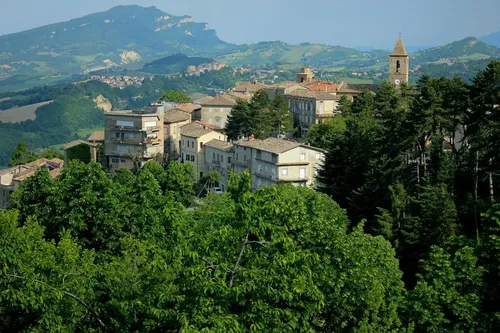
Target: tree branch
<point>233,272</point>
<point>76,298</point>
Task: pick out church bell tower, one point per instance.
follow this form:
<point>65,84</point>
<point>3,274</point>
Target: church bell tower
<point>399,64</point>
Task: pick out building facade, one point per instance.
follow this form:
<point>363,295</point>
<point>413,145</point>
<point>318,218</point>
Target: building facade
<point>131,138</point>
<point>11,178</point>
<point>215,110</point>
<point>173,121</point>
<point>193,139</point>
<point>311,107</point>
<point>219,157</point>
<point>274,160</point>
<point>399,64</point>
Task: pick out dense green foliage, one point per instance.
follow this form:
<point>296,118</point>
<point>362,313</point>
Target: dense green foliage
<point>421,167</point>
<point>261,117</point>
<point>175,96</point>
<point>120,254</point>
<point>176,63</point>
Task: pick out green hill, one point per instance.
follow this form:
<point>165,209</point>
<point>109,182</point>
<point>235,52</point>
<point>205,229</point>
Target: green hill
<point>492,39</point>
<point>316,55</point>
<point>469,48</point>
<point>117,37</point>
<point>174,64</point>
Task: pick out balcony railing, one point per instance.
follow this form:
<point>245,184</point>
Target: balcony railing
<point>128,141</point>
<point>153,129</point>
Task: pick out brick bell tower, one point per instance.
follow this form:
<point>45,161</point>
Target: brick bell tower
<point>399,64</point>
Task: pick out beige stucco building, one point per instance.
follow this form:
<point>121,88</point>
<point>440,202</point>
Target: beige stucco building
<point>215,110</point>
<point>11,178</point>
<point>131,138</point>
<point>173,121</point>
<point>218,157</point>
<point>305,75</point>
<point>193,139</point>
<point>277,160</point>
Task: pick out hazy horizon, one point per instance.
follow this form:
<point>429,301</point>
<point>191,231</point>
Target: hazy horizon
<point>366,24</point>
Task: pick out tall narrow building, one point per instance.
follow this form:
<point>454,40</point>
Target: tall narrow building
<point>399,64</point>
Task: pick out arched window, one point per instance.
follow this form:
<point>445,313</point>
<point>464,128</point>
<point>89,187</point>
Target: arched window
<point>398,66</point>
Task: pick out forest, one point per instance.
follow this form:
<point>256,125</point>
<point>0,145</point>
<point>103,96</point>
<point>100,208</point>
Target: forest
<point>402,235</point>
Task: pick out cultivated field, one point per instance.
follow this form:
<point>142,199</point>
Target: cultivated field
<point>4,99</point>
<point>17,115</point>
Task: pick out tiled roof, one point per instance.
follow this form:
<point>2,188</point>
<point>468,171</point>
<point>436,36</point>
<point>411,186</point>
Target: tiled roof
<point>188,107</point>
<point>219,144</point>
<point>206,125</point>
<point>272,145</point>
<point>250,87</point>
<point>175,116</point>
<point>313,94</point>
<point>219,100</point>
<point>96,136</point>
<point>194,132</point>
<point>237,96</point>
<point>30,168</point>
<point>77,143</point>
<point>318,85</point>
<point>348,90</point>
<point>399,49</point>
<point>362,87</point>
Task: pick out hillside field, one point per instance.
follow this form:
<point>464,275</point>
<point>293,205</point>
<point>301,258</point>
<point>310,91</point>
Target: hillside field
<point>19,114</point>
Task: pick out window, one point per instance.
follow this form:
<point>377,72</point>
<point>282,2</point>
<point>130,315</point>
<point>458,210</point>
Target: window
<point>122,149</point>
<point>150,124</point>
<point>214,157</point>
<point>201,145</point>
<point>192,158</point>
<point>259,154</point>
<point>123,161</point>
<point>318,156</point>
<point>183,156</point>
<point>115,160</point>
<point>222,158</point>
<point>124,123</point>
<point>275,158</point>
<point>221,109</point>
<point>210,109</point>
<point>398,66</point>
<point>229,160</point>
<point>284,172</point>
<point>302,173</point>
<point>302,157</point>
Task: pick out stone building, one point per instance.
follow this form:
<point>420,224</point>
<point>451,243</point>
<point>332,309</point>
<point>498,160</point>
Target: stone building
<point>133,137</point>
<point>305,75</point>
<point>218,157</point>
<point>399,64</point>
<point>277,160</point>
<point>173,121</point>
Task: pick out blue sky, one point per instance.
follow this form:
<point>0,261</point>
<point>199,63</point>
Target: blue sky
<point>336,22</point>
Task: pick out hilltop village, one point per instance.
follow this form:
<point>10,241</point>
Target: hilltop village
<point>195,133</point>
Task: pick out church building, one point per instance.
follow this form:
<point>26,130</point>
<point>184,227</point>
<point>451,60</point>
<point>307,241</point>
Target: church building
<point>399,64</point>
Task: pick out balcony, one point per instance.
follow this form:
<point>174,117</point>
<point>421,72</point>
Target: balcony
<point>128,141</point>
<point>262,174</point>
<point>126,128</point>
<point>153,141</point>
<point>153,129</point>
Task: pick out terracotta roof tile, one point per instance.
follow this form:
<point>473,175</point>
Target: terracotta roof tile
<point>313,94</point>
<point>188,107</point>
<point>250,87</point>
<point>175,116</point>
<point>219,100</point>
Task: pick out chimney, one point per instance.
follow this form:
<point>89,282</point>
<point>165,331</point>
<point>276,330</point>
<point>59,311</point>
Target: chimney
<point>251,137</point>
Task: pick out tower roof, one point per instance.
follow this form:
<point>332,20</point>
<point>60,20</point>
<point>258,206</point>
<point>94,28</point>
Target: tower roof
<point>399,49</point>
